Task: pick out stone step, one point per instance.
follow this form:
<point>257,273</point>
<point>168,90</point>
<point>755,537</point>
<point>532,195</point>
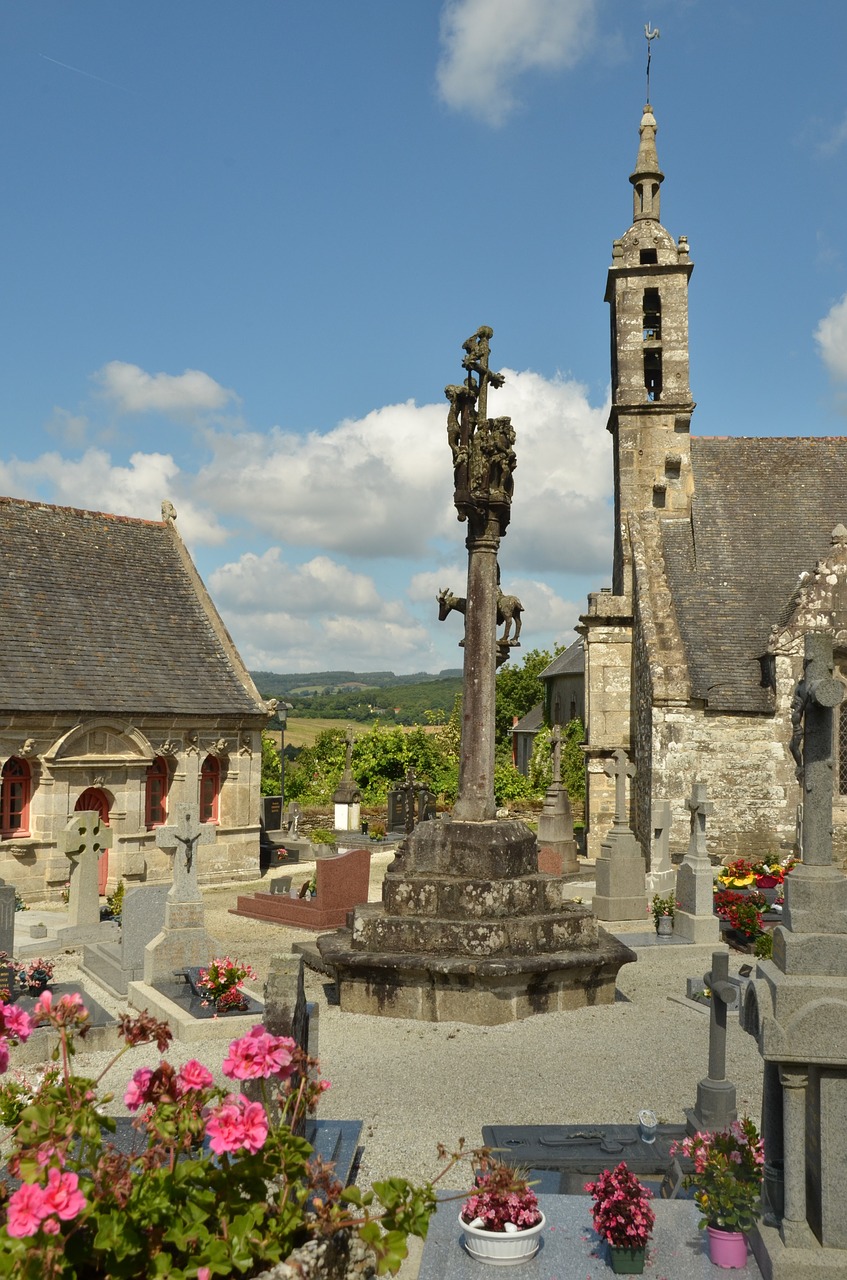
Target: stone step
<point>454,897</point>
<point>571,928</point>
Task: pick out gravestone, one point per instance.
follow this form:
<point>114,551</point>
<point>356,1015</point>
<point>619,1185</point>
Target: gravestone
<point>409,803</point>
<point>272,813</point>
<point>183,940</point>
<point>661,878</point>
<point>619,877</point>
<point>342,883</point>
<point>797,1009</point>
<point>715,1108</point>
<point>83,840</point>
<point>695,918</point>
<point>116,964</point>
<point>7,918</point>
<point>556,844</point>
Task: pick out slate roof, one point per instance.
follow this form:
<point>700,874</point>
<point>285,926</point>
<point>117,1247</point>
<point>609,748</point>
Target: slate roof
<point>531,722</point>
<point>763,512</point>
<point>570,662</point>
<point>104,614</point>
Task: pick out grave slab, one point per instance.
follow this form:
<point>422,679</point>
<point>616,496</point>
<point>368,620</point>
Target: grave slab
<point>570,1246</point>
<point>578,1153</point>
<point>115,964</point>
<point>186,1028</point>
<point>342,884</point>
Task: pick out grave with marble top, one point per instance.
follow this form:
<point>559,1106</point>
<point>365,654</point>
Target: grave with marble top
<point>341,884</point>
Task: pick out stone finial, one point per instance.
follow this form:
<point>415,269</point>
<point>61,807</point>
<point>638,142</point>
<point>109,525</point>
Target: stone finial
<point>839,536</point>
<point>647,177</point>
<point>168,512</point>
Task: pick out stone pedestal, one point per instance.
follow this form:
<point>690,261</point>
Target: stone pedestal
<point>619,892</point>
<point>470,931</point>
<point>695,918</point>
<point>557,847</point>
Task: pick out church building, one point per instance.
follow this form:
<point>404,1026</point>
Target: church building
<point>122,692</point>
<point>726,551</point>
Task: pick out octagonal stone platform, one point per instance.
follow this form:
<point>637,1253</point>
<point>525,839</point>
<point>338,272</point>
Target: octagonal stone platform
<point>469,930</point>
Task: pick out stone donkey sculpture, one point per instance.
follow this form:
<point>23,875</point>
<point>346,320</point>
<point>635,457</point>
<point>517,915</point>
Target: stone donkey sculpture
<point>509,610</point>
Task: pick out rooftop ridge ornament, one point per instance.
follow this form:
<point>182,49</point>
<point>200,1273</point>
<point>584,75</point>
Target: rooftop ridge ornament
<point>650,34</point>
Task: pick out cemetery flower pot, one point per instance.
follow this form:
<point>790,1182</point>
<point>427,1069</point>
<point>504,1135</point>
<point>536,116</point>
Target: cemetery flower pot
<point>502,1248</point>
<point>664,926</point>
<point>627,1262</point>
<point>727,1249</point>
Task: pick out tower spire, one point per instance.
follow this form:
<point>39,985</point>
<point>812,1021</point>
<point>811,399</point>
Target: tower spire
<point>647,177</point>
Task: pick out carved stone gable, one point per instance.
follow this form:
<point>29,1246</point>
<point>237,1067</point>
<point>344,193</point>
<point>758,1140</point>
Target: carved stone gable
<point>820,602</point>
<point>100,744</point>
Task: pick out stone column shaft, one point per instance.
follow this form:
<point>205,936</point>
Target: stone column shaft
<point>475,802</point>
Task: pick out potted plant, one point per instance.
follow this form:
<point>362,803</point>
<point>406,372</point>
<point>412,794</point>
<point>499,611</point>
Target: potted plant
<point>727,1178</point>
<point>662,911</point>
<point>501,1221</point>
<point>737,874</point>
<point>623,1217</point>
<point>742,912</point>
<point>35,976</point>
<point>221,983</point>
<point>215,1187</point>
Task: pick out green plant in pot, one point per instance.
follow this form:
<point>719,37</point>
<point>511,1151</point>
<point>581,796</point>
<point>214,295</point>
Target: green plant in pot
<point>622,1217</point>
<point>727,1177</point>
<point>662,911</point>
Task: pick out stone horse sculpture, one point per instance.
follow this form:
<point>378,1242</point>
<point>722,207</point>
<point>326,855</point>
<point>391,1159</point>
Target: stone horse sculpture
<point>509,610</point>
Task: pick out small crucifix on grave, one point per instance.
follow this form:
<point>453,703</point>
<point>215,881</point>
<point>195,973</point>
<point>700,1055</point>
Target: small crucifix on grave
<point>84,839</point>
<point>716,1096</point>
<point>181,837</point>
<point>620,769</point>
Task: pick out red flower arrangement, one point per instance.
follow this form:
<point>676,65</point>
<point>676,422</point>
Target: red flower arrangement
<point>621,1209</point>
<point>502,1197</point>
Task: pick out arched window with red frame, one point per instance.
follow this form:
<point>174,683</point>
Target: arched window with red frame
<point>156,793</point>
<point>15,792</point>
<point>210,789</point>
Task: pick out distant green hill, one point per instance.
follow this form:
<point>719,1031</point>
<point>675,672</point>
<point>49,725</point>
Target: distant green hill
<point>368,695</point>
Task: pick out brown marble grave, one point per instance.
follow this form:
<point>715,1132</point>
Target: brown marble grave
<point>342,883</point>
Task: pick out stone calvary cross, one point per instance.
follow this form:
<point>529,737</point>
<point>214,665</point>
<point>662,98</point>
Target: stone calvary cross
<point>181,837</point>
<point>85,837</point>
<point>620,769</point>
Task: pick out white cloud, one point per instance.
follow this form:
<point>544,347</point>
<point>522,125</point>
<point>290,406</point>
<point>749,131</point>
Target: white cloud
<point>132,390</point>
<point>316,616</point>
<point>382,486</point>
<point>92,482</point>
<point>487,44</point>
<point>831,337</point>
<point>833,138</point>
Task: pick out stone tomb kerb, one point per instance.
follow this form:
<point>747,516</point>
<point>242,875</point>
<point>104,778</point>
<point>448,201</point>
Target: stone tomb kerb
<point>468,928</point>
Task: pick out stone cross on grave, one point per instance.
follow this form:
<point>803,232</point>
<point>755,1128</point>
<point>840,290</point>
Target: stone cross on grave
<point>408,791</point>
<point>556,744</point>
<point>700,808</point>
<point>182,837</point>
<point>85,837</point>
<point>620,769</point>
<point>716,1095</point>
<point>812,709</point>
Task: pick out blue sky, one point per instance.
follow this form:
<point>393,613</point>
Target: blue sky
<point>243,244</point>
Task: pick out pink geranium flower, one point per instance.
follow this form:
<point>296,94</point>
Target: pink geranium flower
<point>15,1022</point>
<point>136,1093</point>
<point>193,1076</point>
<point>259,1055</point>
<point>26,1210</point>
<point>62,1195</point>
<point>236,1124</point>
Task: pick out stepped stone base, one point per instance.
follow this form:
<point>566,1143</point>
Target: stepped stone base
<point>469,930</point>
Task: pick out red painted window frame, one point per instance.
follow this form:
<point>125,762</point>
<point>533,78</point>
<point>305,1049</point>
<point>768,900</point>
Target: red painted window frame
<point>156,793</point>
<point>16,772</point>
<point>210,789</point>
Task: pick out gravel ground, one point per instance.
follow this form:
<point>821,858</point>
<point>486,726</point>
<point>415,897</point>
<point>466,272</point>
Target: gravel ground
<point>414,1084</point>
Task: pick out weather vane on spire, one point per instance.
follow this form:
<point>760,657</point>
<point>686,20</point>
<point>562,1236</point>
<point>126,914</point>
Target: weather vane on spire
<point>651,34</point>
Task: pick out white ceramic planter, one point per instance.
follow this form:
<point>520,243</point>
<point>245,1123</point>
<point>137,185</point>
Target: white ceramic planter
<point>502,1248</point>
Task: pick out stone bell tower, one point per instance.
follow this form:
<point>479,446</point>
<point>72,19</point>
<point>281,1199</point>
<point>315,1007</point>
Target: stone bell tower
<point>647,292</point>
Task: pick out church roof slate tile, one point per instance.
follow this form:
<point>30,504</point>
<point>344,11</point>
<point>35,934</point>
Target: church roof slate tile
<point>570,661</point>
<point>100,614</point>
<point>763,513</point>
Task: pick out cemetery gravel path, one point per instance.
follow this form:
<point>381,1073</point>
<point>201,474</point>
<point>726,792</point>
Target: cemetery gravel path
<point>415,1084</point>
